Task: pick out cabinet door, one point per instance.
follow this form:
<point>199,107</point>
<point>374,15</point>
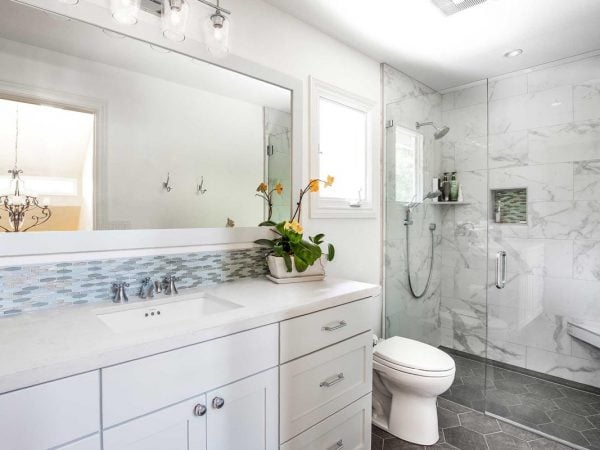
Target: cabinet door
<point>243,415</point>
<point>179,427</point>
<point>90,443</point>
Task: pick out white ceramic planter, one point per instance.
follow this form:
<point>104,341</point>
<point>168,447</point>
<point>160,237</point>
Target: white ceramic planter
<point>278,269</point>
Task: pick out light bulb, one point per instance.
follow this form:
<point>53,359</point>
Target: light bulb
<point>174,19</point>
<point>125,11</point>
<point>216,34</point>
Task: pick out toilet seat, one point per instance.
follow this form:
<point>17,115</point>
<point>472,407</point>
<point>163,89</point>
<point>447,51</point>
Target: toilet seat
<point>414,357</point>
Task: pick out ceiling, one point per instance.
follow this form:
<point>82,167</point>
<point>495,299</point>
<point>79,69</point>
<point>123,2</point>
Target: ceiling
<point>447,51</point>
<point>36,28</point>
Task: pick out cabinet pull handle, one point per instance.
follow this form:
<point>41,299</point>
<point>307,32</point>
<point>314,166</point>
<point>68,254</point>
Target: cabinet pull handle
<point>341,324</point>
<point>332,380</point>
<point>218,403</point>
<point>199,410</point>
<point>339,445</point>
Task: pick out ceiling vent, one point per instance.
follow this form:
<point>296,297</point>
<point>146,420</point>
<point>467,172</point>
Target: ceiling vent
<point>450,7</point>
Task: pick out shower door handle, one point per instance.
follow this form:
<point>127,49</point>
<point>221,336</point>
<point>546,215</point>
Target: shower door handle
<point>501,269</point>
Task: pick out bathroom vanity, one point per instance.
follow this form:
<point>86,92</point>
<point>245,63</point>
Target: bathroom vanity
<point>289,367</point>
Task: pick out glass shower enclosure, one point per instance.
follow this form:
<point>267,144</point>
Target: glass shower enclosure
<point>515,286</point>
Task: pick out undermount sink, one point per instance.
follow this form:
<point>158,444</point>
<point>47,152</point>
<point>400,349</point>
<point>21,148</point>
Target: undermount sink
<point>149,315</point>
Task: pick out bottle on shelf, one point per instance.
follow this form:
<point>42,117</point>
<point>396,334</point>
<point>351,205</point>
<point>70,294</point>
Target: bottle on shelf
<point>453,188</point>
<point>446,187</point>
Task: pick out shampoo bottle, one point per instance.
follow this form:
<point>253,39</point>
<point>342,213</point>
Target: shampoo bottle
<point>453,188</point>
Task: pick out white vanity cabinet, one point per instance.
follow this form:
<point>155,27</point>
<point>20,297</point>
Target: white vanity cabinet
<point>61,414</point>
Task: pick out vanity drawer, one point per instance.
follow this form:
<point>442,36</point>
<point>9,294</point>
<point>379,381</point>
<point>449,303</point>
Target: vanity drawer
<point>51,414</point>
<point>349,429</point>
<point>316,386</point>
<point>305,334</point>
<point>138,387</point>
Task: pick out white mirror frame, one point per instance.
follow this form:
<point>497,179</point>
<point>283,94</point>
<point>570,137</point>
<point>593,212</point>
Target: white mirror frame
<point>70,242</point>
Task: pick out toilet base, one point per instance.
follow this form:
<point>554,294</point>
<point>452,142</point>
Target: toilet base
<point>414,419</point>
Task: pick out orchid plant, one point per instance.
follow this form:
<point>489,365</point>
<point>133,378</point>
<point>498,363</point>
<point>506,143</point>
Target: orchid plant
<point>289,243</point>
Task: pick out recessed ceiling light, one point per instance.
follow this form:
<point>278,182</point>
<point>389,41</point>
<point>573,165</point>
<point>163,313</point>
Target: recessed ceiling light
<point>513,53</point>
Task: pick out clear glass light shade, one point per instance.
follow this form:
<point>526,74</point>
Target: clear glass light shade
<point>216,35</point>
<point>174,19</point>
<point>125,11</point>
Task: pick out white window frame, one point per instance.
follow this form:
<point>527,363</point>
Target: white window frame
<point>324,208</point>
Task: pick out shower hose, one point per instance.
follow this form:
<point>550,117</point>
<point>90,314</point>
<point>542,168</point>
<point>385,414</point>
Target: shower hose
<point>410,283</point>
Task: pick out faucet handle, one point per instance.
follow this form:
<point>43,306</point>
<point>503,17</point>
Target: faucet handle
<point>170,287</point>
<point>146,289</point>
<point>120,293</point>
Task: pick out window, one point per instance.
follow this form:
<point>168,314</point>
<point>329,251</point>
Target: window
<point>408,165</point>
<point>341,146</point>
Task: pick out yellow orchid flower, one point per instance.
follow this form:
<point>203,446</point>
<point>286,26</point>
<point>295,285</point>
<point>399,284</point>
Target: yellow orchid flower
<point>279,188</point>
<point>329,181</point>
<point>262,187</point>
<point>314,185</point>
<point>294,226</point>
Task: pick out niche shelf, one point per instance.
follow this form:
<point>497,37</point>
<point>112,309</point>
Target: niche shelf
<point>449,203</point>
<point>512,204</point>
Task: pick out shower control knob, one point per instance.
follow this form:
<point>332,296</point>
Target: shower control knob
<point>218,403</point>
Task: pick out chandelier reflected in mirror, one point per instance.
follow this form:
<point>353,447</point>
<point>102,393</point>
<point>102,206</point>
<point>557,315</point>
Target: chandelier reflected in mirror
<point>23,210</point>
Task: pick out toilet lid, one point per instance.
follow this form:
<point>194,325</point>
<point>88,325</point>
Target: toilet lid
<point>412,354</point>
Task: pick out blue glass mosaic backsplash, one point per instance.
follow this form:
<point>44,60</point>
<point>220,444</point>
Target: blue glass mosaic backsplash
<point>34,287</point>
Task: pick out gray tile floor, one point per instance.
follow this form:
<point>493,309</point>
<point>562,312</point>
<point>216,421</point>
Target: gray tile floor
<point>465,429</point>
<point>568,414</point>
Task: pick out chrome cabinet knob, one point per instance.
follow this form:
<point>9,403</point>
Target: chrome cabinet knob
<point>218,403</point>
<point>199,410</point>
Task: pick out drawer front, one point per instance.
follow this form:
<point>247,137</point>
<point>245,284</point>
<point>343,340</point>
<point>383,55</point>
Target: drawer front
<point>348,429</point>
<point>50,414</point>
<point>306,334</point>
<point>135,388</point>
<point>316,386</point>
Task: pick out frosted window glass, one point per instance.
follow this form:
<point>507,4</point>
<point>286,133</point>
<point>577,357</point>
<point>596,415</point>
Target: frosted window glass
<point>343,150</point>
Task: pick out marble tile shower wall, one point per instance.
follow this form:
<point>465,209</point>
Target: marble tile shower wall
<point>408,101</point>
<point>544,135</point>
<point>34,287</point>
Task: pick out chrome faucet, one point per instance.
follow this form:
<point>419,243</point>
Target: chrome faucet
<point>120,293</point>
<point>170,288</point>
<point>146,289</point>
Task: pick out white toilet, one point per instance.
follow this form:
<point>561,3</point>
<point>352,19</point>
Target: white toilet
<point>407,378</point>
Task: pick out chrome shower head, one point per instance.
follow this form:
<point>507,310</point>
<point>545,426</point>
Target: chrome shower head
<point>439,132</point>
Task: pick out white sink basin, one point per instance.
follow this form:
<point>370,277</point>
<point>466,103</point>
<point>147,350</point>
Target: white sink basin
<point>150,315</point>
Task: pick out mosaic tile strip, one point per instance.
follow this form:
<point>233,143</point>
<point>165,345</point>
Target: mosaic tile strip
<point>512,204</point>
<point>34,287</point>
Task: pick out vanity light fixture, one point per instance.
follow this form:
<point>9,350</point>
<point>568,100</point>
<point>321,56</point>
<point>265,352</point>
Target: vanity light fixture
<point>513,53</point>
<point>125,11</point>
<point>216,33</point>
<point>174,18</point>
<point>17,203</point>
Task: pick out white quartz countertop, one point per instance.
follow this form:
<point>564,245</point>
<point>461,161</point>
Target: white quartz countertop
<point>47,345</point>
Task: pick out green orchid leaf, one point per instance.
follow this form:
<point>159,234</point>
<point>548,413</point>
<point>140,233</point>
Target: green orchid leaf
<point>330,252</point>
<point>318,239</point>
<point>288,262</point>
<point>267,223</point>
<point>265,242</point>
<point>301,265</point>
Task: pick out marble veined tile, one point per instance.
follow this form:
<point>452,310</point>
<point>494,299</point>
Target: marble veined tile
<point>586,261</point>
<point>508,149</point>
<point>586,101</point>
<point>474,187</point>
<point>471,153</point>
<point>575,72</point>
<point>579,299</point>
<point>398,86</point>
<point>576,369</point>
<point>565,220</point>
<point>408,111</point>
<point>568,142</point>
<point>466,122</point>
<point>544,182</point>
<point>550,107</point>
<point>468,96</point>
<point>586,180</point>
<point>507,87</point>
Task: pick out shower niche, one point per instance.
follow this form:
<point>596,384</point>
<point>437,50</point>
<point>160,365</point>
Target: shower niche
<point>509,206</point>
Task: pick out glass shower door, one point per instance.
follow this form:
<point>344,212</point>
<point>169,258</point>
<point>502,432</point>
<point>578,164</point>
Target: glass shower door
<point>544,250</point>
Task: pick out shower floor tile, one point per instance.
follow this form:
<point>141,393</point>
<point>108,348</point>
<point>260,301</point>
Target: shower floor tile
<point>560,411</point>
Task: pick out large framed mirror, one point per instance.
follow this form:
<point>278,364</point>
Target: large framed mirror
<point>102,131</point>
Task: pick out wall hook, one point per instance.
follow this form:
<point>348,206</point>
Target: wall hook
<point>167,184</point>
<point>200,187</point>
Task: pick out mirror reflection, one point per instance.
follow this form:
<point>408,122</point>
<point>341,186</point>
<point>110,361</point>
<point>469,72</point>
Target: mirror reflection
<point>100,131</point>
